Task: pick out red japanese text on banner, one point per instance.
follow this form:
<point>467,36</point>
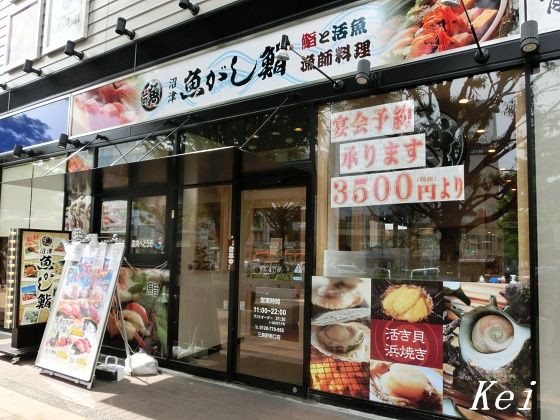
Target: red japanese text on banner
<point>399,187</point>
<point>375,121</point>
<point>383,154</point>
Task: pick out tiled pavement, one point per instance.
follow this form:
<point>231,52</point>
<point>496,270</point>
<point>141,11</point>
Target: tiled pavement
<point>27,394</point>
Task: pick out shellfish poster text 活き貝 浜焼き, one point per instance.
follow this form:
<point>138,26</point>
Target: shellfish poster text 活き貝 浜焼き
<point>421,345</point>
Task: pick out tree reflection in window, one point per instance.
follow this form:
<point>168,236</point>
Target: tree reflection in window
<point>478,122</point>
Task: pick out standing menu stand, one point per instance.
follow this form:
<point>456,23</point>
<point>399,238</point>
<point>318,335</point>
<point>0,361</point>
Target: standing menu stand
<point>34,271</point>
<point>74,333</point>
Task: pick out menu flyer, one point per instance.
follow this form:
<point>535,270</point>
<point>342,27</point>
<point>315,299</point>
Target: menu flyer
<point>41,255</point>
<point>73,335</point>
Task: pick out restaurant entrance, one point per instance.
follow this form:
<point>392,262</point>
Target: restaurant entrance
<point>270,304</point>
<point>238,275</point>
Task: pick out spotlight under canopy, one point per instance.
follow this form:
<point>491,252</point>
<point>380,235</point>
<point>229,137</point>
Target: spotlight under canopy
<point>282,55</point>
<point>529,37</point>
<point>188,5</point>
<point>19,151</point>
<point>64,141</point>
<point>70,50</point>
<point>28,68</point>
<point>121,28</point>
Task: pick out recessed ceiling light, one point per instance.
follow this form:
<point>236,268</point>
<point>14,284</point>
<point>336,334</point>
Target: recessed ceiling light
<point>275,133</point>
<point>481,130</point>
<point>508,181</point>
<point>463,101</point>
<point>514,189</point>
<point>491,150</point>
<point>256,136</point>
<point>298,129</point>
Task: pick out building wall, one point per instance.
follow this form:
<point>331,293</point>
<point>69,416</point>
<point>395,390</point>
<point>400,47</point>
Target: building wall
<point>145,17</point>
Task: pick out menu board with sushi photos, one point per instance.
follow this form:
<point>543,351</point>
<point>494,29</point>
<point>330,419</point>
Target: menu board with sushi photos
<point>41,254</point>
<point>74,333</point>
<point>424,345</point>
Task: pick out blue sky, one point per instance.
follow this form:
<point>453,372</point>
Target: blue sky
<point>35,126</point>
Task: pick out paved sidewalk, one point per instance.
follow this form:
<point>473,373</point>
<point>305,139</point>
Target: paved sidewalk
<point>27,394</point>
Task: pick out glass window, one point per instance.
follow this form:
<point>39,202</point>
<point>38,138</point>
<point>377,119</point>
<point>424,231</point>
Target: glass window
<point>147,226</point>
<point>81,161</point>
<point>134,151</point>
<point>546,91</point>
<point>284,137</point>
<point>114,218</point>
<point>423,196</point>
<point>473,148</point>
<point>144,294</point>
<point>21,206</point>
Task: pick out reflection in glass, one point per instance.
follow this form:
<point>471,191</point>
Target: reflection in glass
<point>147,225</point>
<point>271,288</point>
<point>113,218</point>
<point>144,294</point>
<point>132,151</point>
<point>284,137</point>
<point>202,331</point>
<point>34,126</point>
<point>477,122</point>
<point>546,91</point>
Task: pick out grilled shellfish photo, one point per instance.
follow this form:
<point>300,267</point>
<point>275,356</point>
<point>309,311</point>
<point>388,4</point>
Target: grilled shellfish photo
<point>341,317</point>
<point>335,293</point>
<point>348,341</point>
<point>406,385</point>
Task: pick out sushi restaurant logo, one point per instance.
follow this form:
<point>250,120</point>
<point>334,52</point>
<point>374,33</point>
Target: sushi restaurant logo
<point>151,95</point>
<point>46,241</point>
<point>503,399</point>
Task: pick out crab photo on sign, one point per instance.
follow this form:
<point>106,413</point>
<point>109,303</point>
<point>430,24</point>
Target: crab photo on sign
<point>430,27</point>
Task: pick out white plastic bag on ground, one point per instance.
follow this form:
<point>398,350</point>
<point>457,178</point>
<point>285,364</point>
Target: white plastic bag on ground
<point>141,364</point>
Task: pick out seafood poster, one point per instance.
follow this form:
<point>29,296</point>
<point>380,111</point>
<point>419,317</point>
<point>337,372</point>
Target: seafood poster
<point>406,342</point>
<point>430,343</point>
<point>340,335</point>
<point>41,264</point>
<point>73,335</point>
<point>385,32</point>
<point>486,337</point>
<point>144,294</point>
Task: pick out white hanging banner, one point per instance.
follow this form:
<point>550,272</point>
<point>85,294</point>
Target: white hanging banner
<point>399,187</point>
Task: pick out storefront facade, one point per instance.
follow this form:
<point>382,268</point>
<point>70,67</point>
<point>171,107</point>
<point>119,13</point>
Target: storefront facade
<point>388,246</point>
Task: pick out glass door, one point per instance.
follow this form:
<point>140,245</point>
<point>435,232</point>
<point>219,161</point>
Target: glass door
<point>271,288</point>
<point>200,336</point>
